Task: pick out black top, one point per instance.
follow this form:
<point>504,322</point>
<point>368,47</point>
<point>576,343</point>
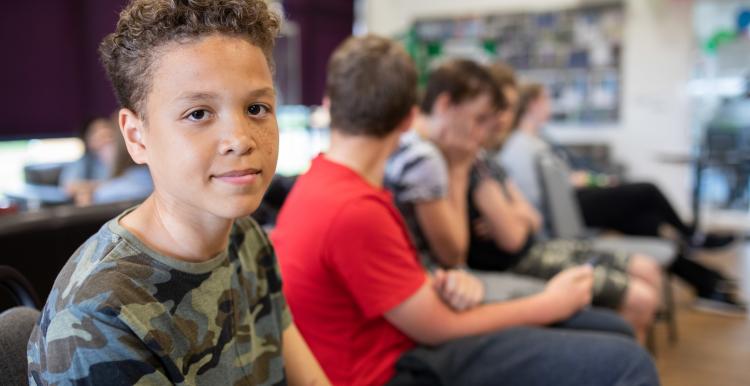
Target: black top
<point>485,254</point>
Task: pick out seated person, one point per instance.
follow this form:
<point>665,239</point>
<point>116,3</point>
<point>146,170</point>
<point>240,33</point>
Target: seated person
<point>105,173</point>
<point>183,289</point>
<point>431,185</point>
<point>128,182</point>
<point>80,178</point>
<point>640,209</point>
<point>359,294</point>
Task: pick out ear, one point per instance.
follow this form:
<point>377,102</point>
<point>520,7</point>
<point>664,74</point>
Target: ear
<point>133,131</point>
<point>442,103</point>
<point>326,103</point>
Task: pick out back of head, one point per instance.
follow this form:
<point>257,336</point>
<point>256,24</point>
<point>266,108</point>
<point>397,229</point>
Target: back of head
<point>527,95</point>
<point>461,80</point>
<point>146,26</point>
<point>371,85</point>
<point>503,74</point>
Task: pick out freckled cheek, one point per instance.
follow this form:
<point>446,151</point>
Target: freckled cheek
<point>268,144</point>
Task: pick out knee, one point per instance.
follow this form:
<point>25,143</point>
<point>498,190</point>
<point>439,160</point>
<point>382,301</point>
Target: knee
<point>647,269</point>
<point>650,189</point>
<point>642,299</point>
<point>636,365</point>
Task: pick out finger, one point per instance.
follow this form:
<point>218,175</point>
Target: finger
<point>438,278</point>
<point>450,282</point>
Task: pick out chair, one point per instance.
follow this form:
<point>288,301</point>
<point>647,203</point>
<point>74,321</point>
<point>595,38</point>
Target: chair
<point>16,325</point>
<point>15,328</point>
<point>19,288</point>
<point>564,220</point>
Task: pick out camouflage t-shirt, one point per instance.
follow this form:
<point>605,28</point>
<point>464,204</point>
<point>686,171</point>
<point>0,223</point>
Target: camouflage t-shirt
<point>120,313</point>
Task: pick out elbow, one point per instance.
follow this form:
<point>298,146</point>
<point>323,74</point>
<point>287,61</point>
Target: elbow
<point>511,242</point>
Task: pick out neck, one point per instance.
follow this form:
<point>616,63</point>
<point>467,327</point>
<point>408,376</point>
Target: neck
<point>367,156</point>
<point>178,230</point>
<point>529,126</point>
<point>422,125</point>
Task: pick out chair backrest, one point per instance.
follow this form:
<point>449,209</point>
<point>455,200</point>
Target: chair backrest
<point>18,287</point>
<point>561,208</point>
<point>15,328</point>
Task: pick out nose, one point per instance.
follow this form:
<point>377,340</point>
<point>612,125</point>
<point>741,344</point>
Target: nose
<point>236,137</point>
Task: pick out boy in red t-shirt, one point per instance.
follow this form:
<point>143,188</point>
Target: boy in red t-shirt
<point>359,295</point>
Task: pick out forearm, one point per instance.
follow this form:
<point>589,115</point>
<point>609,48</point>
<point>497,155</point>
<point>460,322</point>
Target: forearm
<point>509,228</point>
<point>458,190</point>
<point>525,208</point>
<point>534,310</point>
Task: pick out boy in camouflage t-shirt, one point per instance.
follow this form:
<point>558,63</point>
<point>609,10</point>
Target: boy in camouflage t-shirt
<point>184,288</point>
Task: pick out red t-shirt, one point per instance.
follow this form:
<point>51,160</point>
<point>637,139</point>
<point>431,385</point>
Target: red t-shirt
<point>346,259</point>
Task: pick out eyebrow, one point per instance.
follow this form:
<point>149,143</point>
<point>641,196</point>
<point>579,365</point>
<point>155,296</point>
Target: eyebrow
<point>202,96</point>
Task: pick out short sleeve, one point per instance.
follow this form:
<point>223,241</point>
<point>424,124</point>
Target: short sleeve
<point>268,262</point>
<point>422,176</point>
<point>369,249</point>
<point>85,347</point>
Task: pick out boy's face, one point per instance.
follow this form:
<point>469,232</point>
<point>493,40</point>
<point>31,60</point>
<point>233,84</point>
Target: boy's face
<point>210,136</point>
<point>505,118</point>
<point>480,115</point>
<point>471,118</point>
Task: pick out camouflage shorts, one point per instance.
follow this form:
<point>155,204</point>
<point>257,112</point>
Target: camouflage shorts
<point>546,259</point>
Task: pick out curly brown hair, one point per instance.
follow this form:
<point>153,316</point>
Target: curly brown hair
<point>146,26</point>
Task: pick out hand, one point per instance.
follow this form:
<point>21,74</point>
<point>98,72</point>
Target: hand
<point>459,289</point>
<point>570,290</point>
<point>454,136</point>
<point>82,192</point>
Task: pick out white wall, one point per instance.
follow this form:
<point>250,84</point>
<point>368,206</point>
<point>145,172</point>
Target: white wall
<point>657,62</point>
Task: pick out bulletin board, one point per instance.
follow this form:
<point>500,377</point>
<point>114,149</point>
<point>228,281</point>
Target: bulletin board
<point>576,53</point>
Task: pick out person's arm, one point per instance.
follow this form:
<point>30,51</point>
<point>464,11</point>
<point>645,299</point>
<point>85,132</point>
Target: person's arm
<point>458,288</point>
<point>508,226</point>
<point>85,347</point>
<point>524,207</point>
<point>445,222</point>
<point>566,293</point>
<point>301,366</point>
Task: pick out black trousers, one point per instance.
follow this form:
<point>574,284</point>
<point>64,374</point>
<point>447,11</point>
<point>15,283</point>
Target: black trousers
<point>640,209</point>
<point>634,209</point>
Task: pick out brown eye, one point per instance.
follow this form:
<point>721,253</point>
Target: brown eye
<point>257,109</point>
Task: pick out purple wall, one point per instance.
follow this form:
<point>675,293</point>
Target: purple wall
<point>51,79</point>
<point>50,76</point>
<point>323,25</point>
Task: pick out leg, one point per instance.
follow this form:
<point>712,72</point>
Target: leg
<point>645,268</point>
<point>639,307</point>
<point>529,357</point>
<point>626,206</point>
<point>597,319</point>
<point>702,279</point>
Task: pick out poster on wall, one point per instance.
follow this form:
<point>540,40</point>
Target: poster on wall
<point>575,53</point>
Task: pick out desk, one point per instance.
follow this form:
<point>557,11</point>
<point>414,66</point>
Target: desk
<point>737,161</point>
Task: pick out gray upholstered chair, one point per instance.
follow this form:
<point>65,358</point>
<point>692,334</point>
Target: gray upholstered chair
<point>16,324</point>
<point>564,220</point>
<point>15,328</point>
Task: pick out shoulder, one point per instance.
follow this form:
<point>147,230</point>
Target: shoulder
<point>417,171</point>
<point>366,224</point>
<point>414,153</point>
